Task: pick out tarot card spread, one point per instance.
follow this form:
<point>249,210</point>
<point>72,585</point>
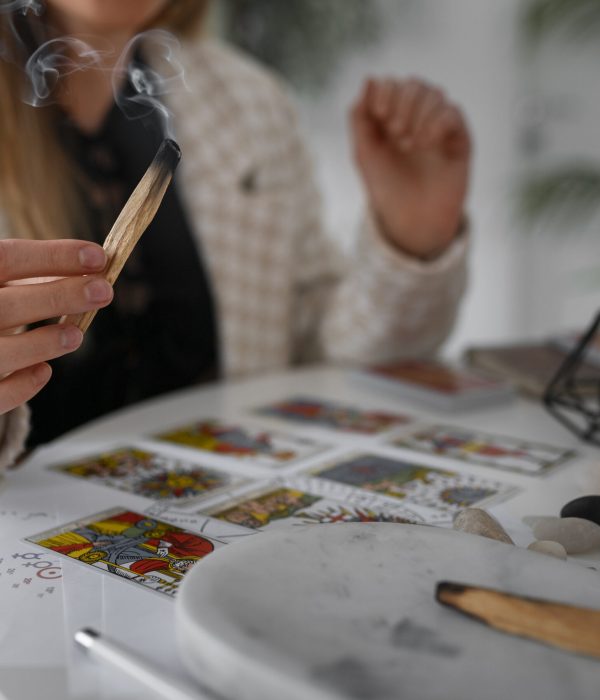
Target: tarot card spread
<point>485,449</point>
<point>149,474</point>
<point>141,549</point>
<point>333,416</point>
<point>263,448</point>
<point>414,483</point>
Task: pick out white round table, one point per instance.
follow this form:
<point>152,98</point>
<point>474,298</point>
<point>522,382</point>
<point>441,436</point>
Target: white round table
<point>37,655</point>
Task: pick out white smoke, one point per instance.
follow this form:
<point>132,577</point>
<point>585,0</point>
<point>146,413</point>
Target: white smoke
<point>14,7</point>
<point>151,83</point>
<point>59,57</point>
<point>54,60</point>
<point>10,6</point>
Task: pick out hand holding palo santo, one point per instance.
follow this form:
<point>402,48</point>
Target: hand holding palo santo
<point>134,219</point>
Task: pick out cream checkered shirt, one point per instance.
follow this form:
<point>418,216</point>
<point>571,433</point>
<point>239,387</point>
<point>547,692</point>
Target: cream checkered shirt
<point>284,294</point>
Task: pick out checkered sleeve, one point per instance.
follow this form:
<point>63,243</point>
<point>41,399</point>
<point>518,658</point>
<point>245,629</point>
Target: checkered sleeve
<point>376,304</point>
<point>14,427</point>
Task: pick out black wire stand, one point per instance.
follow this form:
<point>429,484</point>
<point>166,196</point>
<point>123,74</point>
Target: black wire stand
<point>573,394</point>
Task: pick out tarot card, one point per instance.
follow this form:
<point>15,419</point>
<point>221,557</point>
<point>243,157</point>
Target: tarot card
<point>138,548</point>
<point>440,385</point>
<point>263,448</point>
<point>413,483</point>
<point>197,522</point>
<point>365,501</point>
<point>287,503</point>
<point>485,449</point>
<point>149,474</point>
<point>333,416</point>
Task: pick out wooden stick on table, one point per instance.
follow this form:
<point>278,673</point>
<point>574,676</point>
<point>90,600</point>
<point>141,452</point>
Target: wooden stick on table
<point>557,624</point>
<point>134,219</point>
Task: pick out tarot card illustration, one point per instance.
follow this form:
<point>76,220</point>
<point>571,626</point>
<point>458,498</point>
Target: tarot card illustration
<point>221,530</point>
<point>138,548</point>
<point>413,483</point>
<point>485,449</point>
<point>263,448</point>
<point>149,474</point>
<point>261,509</point>
<point>333,416</point>
<point>287,504</point>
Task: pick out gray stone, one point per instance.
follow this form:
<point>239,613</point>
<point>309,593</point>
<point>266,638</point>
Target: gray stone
<point>479,522</point>
<point>575,534</point>
<point>553,549</point>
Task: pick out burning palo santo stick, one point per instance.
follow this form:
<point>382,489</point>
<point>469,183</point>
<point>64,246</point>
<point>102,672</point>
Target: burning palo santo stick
<point>134,219</point>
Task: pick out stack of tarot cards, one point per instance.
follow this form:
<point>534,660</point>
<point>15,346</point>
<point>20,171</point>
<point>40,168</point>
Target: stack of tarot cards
<point>439,385</point>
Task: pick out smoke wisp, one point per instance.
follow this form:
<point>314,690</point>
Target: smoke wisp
<point>61,56</point>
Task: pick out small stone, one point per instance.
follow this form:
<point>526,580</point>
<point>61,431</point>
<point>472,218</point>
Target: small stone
<point>553,549</point>
<point>479,522</point>
<point>575,534</point>
<point>586,507</point>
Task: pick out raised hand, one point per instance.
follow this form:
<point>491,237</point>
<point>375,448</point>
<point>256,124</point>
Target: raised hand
<point>412,148</point>
<point>25,299</point>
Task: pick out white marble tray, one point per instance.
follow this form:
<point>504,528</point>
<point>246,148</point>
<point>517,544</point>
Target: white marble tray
<point>348,611</point>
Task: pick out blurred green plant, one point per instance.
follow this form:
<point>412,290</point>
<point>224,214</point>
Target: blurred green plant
<point>566,194</point>
<point>302,39</point>
<point>579,19</point>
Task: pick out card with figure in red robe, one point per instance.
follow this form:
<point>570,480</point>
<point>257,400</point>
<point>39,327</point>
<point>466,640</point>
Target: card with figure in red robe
<point>135,547</point>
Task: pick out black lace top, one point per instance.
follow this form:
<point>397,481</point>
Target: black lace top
<point>159,334</point>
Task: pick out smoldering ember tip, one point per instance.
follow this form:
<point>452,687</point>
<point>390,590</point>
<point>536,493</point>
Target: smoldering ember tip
<point>445,588</point>
<point>168,154</point>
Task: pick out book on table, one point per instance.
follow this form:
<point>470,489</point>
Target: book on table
<point>529,366</point>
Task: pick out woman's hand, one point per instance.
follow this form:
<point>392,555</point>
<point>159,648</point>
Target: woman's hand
<point>412,148</point>
<point>25,300</point>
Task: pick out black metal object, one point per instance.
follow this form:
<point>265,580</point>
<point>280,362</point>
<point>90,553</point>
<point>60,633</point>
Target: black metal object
<point>573,394</point>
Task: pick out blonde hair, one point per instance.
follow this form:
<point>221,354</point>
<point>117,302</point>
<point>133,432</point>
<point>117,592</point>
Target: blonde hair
<point>38,194</point>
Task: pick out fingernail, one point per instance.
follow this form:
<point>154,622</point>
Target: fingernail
<point>41,374</point>
<point>98,290</point>
<point>92,257</point>
<point>70,337</point>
